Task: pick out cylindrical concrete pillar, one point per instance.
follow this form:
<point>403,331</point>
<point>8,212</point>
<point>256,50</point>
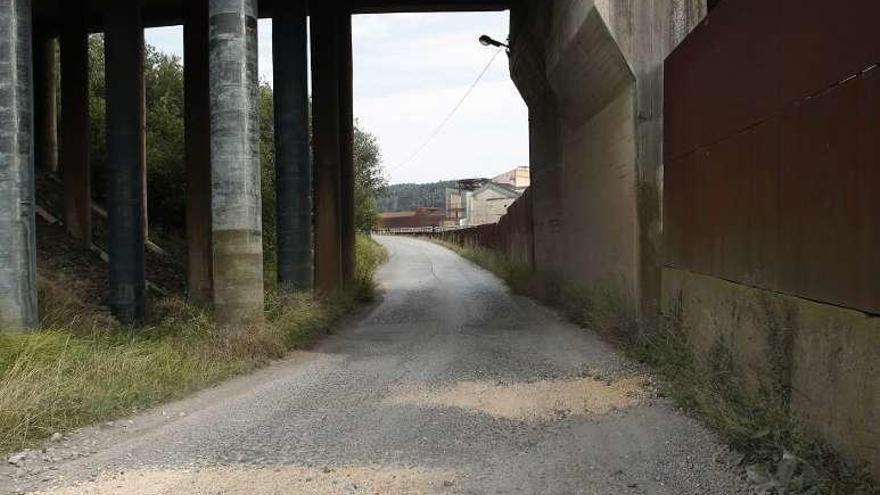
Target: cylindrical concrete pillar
<point>18,267</point>
<point>75,124</point>
<point>197,131</point>
<point>326,129</point>
<point>235,163</point>
<point>293,166</point>
<point>45,104</point>
<point>346,147</point>
<point>124,54</point>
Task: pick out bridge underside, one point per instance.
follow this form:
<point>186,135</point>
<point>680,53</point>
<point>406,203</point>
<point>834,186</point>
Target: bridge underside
<point>315,217</point>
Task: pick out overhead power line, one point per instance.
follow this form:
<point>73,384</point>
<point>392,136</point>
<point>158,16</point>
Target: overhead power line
<point>449,116</point>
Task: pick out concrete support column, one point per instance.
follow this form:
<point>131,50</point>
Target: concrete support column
<point>346,147</point>
<point>197,128</point>
<point>45,104</point>
<point>326,128</point>
<point>75,124</point>
<point>18,272</point>
<point>124,53</point>
<point>293,166</point>
<point>235,163</point>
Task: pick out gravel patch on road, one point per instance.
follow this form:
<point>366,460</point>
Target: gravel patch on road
<point>540,400</point>
<point>266,481</point>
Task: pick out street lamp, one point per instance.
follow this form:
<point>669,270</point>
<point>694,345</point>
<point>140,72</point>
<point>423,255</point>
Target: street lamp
<point>487,40</point>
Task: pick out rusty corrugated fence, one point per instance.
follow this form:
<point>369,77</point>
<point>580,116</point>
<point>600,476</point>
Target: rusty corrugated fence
<point>512,235</point>
<point>772,149</point>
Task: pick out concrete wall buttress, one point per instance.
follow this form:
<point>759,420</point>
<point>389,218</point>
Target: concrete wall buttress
<point>616,48</point>
<point>326,128</point>
<point>235,163</point>
<point>18,273</point>
<point>75,124</point>
<point>124,52</point>
<point>293,165</point>
<point>198,155</point>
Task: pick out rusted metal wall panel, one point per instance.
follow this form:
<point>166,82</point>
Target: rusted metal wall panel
<point>819,197</point>
<point>724,76</point>
<point>869,179</point>
<point>822,42</point>
<point>771,147</point>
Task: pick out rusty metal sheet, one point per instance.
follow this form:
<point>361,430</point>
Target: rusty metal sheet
<point>764,180</point>
<point>725,76</point>
<point>819,197</point>
<point>763,185</point>
<point>823,43</point>
<point>869,204</point>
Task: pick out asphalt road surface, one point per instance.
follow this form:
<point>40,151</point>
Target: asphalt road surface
<point>450,384</point>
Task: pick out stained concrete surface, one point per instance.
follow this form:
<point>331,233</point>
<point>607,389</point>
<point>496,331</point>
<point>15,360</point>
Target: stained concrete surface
<point>337,419</point>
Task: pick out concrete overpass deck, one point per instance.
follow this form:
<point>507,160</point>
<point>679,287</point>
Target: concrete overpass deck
<point>157,13</point>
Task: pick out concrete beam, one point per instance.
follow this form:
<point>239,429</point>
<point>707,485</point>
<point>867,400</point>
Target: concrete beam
<point>124,53</point>
<point>326,128</point>
<point>346,148</point>
<point>45,104</point>
<point>235,163</point>
<point>157,13</point>
<point>197,131</point>
<point>75,125</point>
<point>18,267</point>
<point>293,166</point>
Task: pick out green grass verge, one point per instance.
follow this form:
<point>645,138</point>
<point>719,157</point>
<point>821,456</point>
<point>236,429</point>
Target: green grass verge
<point>779,456</point>
<point>81,369</point>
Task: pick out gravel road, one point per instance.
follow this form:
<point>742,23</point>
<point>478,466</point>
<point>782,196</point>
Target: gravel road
<point>450,384</point>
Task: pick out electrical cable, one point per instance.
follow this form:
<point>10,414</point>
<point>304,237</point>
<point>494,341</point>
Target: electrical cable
<point>449,116</point>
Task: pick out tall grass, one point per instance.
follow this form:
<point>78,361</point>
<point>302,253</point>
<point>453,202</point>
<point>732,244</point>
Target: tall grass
<point>82,368</point>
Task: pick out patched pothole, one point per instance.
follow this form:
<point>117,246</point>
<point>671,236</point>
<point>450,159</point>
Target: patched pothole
<point>244,481</point>
<point>539,400</point>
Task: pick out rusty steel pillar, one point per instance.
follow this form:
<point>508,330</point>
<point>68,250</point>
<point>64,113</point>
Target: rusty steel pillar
<point>124,54</point>
<point>142,159</point>
<point>18,250</point>
<point>75,124</point>
<point>293,166</point>
<point>235,163</point>
<point>45,104</point>
<point>346,147</point>
<point>326,129</point>
<point>197,131</point>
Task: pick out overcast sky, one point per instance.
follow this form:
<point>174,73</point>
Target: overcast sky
<point>410,70</point>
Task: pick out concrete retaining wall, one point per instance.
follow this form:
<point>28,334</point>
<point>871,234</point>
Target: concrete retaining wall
<point>770,218</point>
<point>827,355</point>
<point>745,229</point>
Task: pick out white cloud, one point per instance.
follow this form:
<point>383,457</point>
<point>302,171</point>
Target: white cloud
<point>410,71</point>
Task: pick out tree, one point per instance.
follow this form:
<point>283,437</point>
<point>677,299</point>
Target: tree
<point>369,179</point>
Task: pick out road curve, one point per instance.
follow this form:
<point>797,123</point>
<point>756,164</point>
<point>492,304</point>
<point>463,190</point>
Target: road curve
<point>450,384</point>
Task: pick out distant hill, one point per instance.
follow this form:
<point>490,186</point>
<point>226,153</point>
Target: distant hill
<point>408,197</point>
